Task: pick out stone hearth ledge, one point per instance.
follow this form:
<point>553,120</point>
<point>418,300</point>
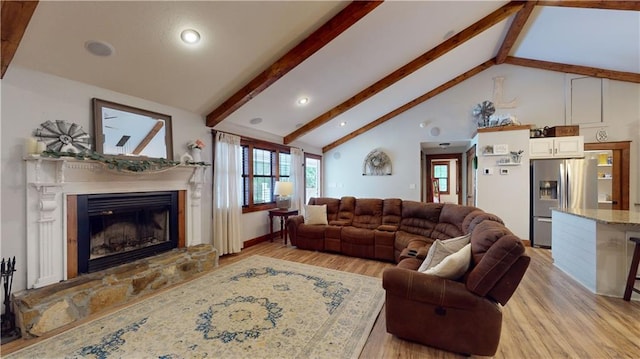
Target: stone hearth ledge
<point>40,311</point>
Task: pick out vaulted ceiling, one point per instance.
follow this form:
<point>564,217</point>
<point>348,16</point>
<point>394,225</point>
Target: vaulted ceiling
<point>359,63</point>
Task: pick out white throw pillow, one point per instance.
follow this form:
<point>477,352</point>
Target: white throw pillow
<point>315,214</point>
<point>439,250</point>
<point>454,266</point>
<point>457,242</point>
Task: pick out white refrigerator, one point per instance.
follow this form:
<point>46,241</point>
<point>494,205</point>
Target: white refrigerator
<point>561,183</point>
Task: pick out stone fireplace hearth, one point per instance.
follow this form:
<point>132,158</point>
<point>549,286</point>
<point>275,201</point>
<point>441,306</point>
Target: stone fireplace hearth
<point>43,310</point>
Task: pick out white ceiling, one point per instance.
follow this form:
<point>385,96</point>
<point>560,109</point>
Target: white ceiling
<point>242,38</point>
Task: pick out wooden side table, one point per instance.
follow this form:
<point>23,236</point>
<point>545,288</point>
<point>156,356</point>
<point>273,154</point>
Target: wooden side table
<point>283,214</point>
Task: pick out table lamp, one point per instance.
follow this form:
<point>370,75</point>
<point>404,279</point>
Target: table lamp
<point>283,190</point>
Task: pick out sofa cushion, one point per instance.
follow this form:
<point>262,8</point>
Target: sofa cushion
<point>478,216</point>
<point>313,231</point>
<point>410,240</point>
<point>450,222</point>
<point>453,266</point>
<point>368,213</point>
<point>314,214</point>
<point>346,211</point>
<point>358,236</point>
<point>420,218</point>
<point>440,249</point>
<point>391,212</point>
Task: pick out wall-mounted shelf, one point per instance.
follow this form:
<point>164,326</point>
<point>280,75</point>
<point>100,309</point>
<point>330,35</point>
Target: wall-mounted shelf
<point>508,164</point>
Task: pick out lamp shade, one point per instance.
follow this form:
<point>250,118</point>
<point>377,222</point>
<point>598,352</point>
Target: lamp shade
<point>283,188</point>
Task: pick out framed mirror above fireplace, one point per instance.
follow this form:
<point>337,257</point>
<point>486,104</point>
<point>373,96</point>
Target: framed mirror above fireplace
<point>126,131</point>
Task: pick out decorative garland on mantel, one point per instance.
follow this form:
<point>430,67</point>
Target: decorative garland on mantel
<point>120,164</point>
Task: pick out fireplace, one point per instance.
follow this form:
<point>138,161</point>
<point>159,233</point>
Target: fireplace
<point>117,228</point>
<point>53,188</point>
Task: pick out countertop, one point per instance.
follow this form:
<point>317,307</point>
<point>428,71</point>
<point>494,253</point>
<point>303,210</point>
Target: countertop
<point>607,216</point>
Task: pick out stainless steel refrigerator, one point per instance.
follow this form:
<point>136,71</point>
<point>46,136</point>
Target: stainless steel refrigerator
<point>562,183</point>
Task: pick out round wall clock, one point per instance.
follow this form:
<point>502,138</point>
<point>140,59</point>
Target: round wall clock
<point>601,135</point>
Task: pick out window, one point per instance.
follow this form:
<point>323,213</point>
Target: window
<point>263,164</point>
<point>440,171</point>
<point>312,171</point>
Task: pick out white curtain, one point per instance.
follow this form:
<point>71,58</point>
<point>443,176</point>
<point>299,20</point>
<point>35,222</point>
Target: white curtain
<point>297,175</point>
<point>227,194</point>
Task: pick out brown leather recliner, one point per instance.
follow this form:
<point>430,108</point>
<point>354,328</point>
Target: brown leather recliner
<point>463,316</point>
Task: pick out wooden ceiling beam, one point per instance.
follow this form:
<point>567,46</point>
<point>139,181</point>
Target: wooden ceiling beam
<point>514,31</point>
<point>575,69</point>
<point>409,105</point>
<point>424,59</point>
<point>15,18</point>
<point>314,42</point>
<point>606,5</point>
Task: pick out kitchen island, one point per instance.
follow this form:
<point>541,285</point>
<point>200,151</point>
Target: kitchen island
<point>593,247</point>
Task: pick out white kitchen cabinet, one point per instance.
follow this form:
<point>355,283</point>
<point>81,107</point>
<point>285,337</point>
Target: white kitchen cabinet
<point>556,147</point>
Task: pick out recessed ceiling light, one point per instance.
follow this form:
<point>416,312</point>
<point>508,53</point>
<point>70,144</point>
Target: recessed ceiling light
<point>303,100</point>
<point>255,121</point>
<point>190,36</point>
<point>99,48</point>
<point>343,123</point>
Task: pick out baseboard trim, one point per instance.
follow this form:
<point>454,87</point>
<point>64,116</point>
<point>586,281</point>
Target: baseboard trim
<point>258,240</point>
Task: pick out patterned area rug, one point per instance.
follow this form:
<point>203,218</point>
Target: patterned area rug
<point>259,307</point>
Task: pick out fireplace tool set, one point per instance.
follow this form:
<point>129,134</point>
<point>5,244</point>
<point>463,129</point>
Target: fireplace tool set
<point>9,330</point>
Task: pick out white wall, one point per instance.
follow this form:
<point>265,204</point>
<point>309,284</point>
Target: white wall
<point>540,99</point>
<point>506,195</point>
<point>30,98</point>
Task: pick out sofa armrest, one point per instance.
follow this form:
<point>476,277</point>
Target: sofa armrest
<point>292,224</point>
<point>426,288</point>
<point>420,246</point>
<point>387,228</point>
<point>295,220</point>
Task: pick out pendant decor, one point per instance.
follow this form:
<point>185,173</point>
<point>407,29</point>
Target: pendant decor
<point>377,163</point>
<point>61,136</point>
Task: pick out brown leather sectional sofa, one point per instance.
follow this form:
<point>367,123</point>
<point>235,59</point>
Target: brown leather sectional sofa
<point>462,315</point>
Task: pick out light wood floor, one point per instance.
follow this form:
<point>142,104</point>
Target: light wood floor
<point>549,316</point>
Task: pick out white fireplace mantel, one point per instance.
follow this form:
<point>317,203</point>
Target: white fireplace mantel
<point>50,180</point>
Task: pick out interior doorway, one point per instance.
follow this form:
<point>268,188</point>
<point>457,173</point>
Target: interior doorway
<point>618,176</point>
<point>471,176</point>
<point>447,168</point>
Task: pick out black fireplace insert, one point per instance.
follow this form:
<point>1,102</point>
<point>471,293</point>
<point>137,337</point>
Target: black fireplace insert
<point>118,228</point>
